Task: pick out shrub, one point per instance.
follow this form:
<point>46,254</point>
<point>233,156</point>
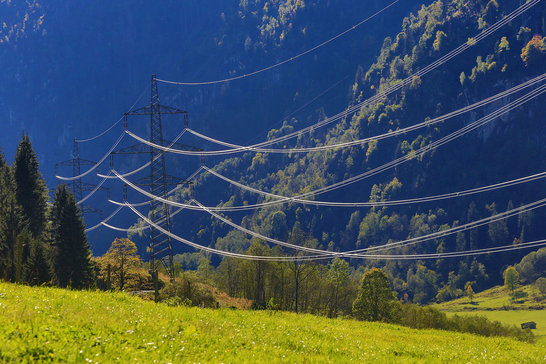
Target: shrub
<point>186,292</point>
<point>418,317</point>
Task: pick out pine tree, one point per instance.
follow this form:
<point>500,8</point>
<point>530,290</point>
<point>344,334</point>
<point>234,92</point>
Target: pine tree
<point>31,190</point>
<point>72,266</point>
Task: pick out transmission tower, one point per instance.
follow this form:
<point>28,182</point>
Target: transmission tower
<point>158,182</point>
<point>77,186</point>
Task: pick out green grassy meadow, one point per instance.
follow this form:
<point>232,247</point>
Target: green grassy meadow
<point>495,304</point>
<point>49,324</point>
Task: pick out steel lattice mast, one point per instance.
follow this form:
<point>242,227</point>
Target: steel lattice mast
<point>77,186</point>
<point>160,244</point>
<point>158,181</point>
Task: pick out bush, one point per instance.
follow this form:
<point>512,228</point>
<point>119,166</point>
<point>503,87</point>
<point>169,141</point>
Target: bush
<point>480,325</point>
<point>418,317</point>
<point>177,301</point>
<point>430,318</point>
<point>188,293</point>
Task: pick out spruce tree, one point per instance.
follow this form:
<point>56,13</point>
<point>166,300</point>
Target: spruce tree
<point>31,190</point>
<point>4,251</point>
<point>37,270</point>
<point>72,266</point>
<point>12,222</point>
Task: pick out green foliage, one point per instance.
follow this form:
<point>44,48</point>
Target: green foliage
<point>37,269</point>
<point>535,51</point>
<point>439,41</point>
<point>448,293</point>
<point>469,291</point>
<point>498,230</point>
<point>71,254</point>
<point>492,303</point>
<point>504,45</point>
<point>511,279</point>
<point>26,17</point>
<point>187,291</point>
<point>31,190</point>
<point>541,285</point>
<point>480,325</point>
<point>338,277</point>
<point>120,264</point>
<point>12,221</point>
<point>205,270</point>
<point>279,227</point>
<point>422,282</point>
<point>425,35</point>
<point>483,69</point>
<point>532,266</point>
<point>375,300</point>
<point>431,318</point>
<point>23,240</point>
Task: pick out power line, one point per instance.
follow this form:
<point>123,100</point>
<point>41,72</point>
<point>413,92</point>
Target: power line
<point>142,167</point>
<point>96,165</point>
<point>138,228</point>
<point>286,60</point>
<point>113,125</point>
<point>443,196</point>
<point>258,235</point>
<point>470,127</point>
<point>493,218</point>
<point>520,101</point>
<point>427,123</point>
<point>94,227</point>
<point>329,255</point>
<point>412,241</point>
<point>109,174</point>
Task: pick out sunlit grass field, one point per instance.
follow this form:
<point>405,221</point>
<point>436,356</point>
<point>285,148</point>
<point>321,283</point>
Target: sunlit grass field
<point>48,324</point>
<point>495,304</point>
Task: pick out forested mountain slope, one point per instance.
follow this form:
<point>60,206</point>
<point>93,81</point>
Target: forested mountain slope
<point>507,148</point>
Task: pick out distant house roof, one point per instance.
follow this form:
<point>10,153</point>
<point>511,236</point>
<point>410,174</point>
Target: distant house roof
<point>529,325</point>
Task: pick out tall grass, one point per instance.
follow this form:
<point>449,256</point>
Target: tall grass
<point>49,324</point>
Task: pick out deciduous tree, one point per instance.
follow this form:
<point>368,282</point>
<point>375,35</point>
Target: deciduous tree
<point>511,279</point>
<point>122,260</point>
<point>338,277</point>
<point>469,291</point>
<point>375,300</point>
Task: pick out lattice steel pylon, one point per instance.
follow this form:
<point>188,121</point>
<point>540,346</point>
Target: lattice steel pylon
<point>77,186</point>
<point>160,248</point>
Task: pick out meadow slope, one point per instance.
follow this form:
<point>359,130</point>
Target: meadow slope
<point>495,304</point>
<point>41,324</point>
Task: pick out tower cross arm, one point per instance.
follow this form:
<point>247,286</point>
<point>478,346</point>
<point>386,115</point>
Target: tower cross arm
<point>148,110</point>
